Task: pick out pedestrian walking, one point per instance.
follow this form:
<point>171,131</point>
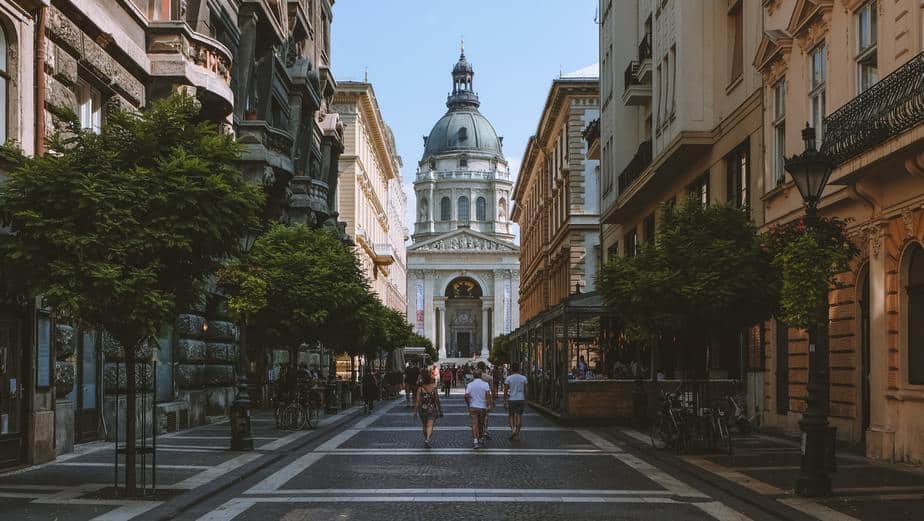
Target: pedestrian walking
<point>411,375</point>
<point>428,406</point>
<point>489,379</point>
<point>515,398</point>
<point>370,391</point>
<point>446,378</point>
<point>479,400</point>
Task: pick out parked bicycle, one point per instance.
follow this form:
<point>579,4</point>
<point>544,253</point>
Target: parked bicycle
<point>301,413</point>
<point>678,423</point>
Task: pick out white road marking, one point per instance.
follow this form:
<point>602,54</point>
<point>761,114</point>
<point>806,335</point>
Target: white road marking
<point>215,472</point>
<point>96,464</point>
<point>128,511</point>
<point>228,510</point>
<point>184,437</point>
<point>816,510</point>
<point>282,476</point>
<point>283,441</point>
<point>736,477</point>
<point>465,491</point>
<point>439,428</point>
<point>465,452</point>
<point>721,511</point>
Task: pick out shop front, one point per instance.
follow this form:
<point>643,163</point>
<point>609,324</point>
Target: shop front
<point>12,346</point>
<point>581,368</point>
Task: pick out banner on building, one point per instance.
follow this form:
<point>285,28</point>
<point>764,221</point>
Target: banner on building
<point>420,308</point>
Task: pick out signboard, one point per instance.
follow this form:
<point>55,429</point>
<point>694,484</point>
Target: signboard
<point>43,354</point>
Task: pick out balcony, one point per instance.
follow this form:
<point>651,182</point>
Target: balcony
<point>178,52</point>
<point>636,92</point>
<point>384,254</point>
<point>889,108</point>
<point>636,166</point>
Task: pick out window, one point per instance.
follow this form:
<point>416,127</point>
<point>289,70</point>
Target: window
<point>631,239</point>
<point>463,161</point>
<point>867,71</point>
<point>463,209</point>
<point>672,79</point>
<point>650,229</point>
<point>779,131</point>
<point>818,74</point>
<point>736,40</point>
<point>445,209</point>
<point>88,102</point>
<point>737,169</point>
<point>480,210</point>
<point>4,85</point>
<point>699,190</point>
<point>916,316</point>
<point>659,78</point>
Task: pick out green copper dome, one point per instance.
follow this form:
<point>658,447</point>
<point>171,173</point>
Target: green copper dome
<point>462,131</point>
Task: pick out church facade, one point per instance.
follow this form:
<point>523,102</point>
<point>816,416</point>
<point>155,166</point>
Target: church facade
<point>463,266</point>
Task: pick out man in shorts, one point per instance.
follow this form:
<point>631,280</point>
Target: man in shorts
<point>492,385</point>
<point>479,400</point>
<point>515,398</point>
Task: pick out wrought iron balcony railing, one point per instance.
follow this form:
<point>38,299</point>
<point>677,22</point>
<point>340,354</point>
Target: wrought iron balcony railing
<point>890,107</point>
<point>636,166</point>
<point>629,77</point>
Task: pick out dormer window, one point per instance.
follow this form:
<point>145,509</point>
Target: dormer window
<point>463,161</point>
<point>463,134</point>
<point>433,164</point>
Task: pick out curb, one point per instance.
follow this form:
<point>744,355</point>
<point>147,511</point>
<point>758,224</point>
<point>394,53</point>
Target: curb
<point>174,507</point>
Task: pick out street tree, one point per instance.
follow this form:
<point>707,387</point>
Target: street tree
<point>298,285</point>
<point>706,277</point>
<point>119,230</point>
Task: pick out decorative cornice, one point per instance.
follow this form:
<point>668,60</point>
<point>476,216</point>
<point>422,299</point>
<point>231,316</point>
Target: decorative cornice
<point>772,58</point>
<point>810,21</point>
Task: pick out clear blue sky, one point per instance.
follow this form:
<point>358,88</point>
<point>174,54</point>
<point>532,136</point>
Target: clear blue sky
<point>408,47</point>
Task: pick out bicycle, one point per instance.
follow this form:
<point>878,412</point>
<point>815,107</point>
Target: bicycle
<point>668,429</point>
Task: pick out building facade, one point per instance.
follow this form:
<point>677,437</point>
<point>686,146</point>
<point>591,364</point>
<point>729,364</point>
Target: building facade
<point>463,268</point>
<point>681,117</point>
<point>61,384</point>
<point>371,201</point>
<point>557,200</point>
<point>853,69</point>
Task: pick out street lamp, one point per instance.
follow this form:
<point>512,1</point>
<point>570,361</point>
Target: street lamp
<point>810,170</point>
<point>241,438</point>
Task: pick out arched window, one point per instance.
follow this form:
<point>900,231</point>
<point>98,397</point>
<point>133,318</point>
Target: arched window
<point>502,210</point>
<point>445,209</point>
<point>480,213</point>
<point>916,316</point>
<point>4,84</point>
<point>464,210</point>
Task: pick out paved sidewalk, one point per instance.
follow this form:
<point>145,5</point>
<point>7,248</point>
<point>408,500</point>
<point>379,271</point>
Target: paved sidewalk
<point>190,463</point>
<point>768,466</point>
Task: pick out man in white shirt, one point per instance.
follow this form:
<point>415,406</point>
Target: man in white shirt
<point>515,398</point>
<point>479,400</point>
<point>487,377</point>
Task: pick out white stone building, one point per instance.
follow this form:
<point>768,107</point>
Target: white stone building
<point>463,268</point>
<point>370,199</point>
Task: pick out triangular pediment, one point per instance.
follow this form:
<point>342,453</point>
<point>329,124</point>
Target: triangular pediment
<point>804,12</point>
<point>464,240</point>
<point>774,43</point>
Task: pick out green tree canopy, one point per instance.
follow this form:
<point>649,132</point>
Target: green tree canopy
<point>120,229</point>
<point>707,275</point>
<point>298,284</point>
<point>501,349</point>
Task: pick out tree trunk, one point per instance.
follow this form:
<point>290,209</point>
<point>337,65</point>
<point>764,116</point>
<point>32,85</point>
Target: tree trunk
<point>130,418</point>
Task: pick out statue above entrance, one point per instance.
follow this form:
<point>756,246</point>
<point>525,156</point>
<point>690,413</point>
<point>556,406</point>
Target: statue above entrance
<point>463,287</point>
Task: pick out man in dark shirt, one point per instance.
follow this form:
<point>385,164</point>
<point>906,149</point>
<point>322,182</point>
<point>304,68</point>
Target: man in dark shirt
<point>411,375</point>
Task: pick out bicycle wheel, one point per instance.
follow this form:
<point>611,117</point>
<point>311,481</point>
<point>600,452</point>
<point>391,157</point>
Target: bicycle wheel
<point>309,418</point>
<point>661,433</point>
<point>292,416</point>
<point>724,434</point>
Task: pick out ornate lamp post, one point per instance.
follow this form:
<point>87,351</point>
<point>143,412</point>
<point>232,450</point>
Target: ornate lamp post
<point>240,410</point>
<point>810,170</point>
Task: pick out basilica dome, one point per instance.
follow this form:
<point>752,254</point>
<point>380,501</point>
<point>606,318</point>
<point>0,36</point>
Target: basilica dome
<point>462,129</point>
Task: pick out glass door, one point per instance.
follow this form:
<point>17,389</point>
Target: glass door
<point>11,392</point>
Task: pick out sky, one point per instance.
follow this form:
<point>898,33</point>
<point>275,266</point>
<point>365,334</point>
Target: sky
<point>408,47</point>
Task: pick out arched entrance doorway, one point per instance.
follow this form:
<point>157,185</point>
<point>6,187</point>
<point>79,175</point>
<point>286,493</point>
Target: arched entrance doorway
<point>464,325</point>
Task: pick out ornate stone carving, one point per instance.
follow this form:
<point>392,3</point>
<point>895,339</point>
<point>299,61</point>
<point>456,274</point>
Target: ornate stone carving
<point>908,221</point>
<point>466,243</point>
<point>874,235</point>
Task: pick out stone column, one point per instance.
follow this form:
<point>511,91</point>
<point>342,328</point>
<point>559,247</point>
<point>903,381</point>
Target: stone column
<point>880,438</point>
<point>485,337</point>
<point>442,339</point>
<point>429,309</point>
